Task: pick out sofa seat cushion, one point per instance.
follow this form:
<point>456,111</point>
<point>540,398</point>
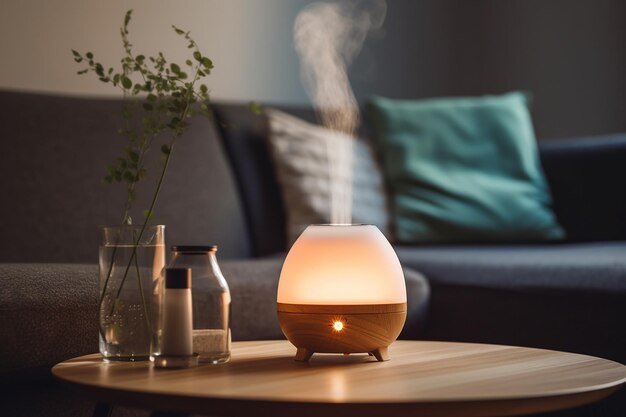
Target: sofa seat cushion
<point>254,300</point>
<point>48,312</point>
<point>569,297</point>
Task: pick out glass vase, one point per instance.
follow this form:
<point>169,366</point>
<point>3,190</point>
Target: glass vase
<point>131,260</point>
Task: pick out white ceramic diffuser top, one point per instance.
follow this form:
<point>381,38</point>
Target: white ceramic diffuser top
<point>341,264</point>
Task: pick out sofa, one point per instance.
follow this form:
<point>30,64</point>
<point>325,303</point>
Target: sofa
<point>221,189</point>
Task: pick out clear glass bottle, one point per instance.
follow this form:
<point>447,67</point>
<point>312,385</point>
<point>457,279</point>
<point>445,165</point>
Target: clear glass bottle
<point>210,303</point>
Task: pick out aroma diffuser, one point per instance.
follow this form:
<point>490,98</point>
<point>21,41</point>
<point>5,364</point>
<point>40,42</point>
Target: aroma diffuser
<point>341,290</point>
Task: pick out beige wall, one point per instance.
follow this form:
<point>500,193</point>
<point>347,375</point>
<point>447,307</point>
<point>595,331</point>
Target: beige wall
<point>248,40</point>
<point>569,54</point>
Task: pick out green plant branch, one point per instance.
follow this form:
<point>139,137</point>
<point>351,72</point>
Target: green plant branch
<point>105,286</point>
<point>143,227</point>
<point>168,103</point>
<point>152,205</point>
<point>143,297</point>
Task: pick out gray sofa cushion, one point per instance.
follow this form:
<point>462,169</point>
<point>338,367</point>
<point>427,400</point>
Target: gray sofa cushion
<point>568,297</point>
<point>244,137</point>
<point>586,176</point>
<point>48,312</point>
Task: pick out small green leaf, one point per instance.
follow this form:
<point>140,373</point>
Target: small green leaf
<point>175,68</point>
<point>197,56</point>
<point>165,149</point>
<point>151,97</point>
<point>204,88</point>
<point>89,55</point>
<point>75,53</point>
<point>127,17</point>
<point>126,82</point>
<point>179,31</point>
<point>188,62</point>
<point>207,63</point>
<point>140,58</point>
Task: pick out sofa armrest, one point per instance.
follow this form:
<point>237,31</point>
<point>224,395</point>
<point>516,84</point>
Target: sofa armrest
<point>587,180</point>
<point>48,313</point>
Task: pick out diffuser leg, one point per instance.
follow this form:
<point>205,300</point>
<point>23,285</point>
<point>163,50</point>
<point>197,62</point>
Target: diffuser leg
<point>382,354</point>
<point>304,354</point>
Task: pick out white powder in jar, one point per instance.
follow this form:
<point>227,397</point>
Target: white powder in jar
<point>210,341</point>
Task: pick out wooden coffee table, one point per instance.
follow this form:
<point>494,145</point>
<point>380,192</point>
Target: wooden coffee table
<point>422,378</point>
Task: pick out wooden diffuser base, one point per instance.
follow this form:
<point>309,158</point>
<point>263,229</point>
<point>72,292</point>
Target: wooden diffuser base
<point>341,328</point>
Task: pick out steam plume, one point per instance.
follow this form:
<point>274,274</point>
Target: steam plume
<point>328,36</point>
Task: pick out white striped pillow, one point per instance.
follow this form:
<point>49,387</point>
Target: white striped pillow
<point>301,160</point>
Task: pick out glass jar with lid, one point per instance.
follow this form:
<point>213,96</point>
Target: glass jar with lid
<point>210,303</point>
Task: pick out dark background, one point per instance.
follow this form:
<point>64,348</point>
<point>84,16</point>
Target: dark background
<point>571,54</point>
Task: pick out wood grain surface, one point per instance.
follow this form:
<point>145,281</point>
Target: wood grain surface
<point>422,378</point>
<point>360,333</point>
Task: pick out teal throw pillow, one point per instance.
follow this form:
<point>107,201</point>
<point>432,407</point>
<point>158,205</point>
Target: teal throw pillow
<point>463,170</point>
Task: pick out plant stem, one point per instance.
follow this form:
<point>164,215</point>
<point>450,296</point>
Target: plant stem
<point>151,209</point>
<point>169,96</point>
<point>143,297</point>
<point>104,288</point>
<point>145,223</point>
